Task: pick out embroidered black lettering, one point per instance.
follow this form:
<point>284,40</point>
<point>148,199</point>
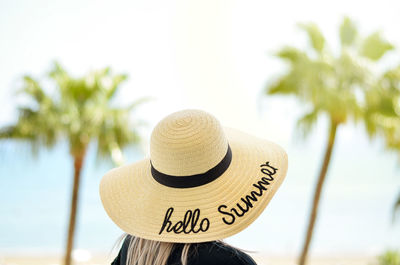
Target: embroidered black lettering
<point>186,220</point>
<point>236,212</point>
<point>195,218</point>
<point>167,221</point>
<point>241,209</point>
<point>226,213</point>
<point>267,180</point>
<point>206,222</point>
<point>267,169</point>
<point>250,199</point>
<point>264,181</point>
<point>187,225</point>
<point>178,227</point>
<point>260,187</point>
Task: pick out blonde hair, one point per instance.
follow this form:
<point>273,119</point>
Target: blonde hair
<point>148,252</point>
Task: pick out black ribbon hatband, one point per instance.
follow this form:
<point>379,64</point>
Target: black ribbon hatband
<point>193,180</point>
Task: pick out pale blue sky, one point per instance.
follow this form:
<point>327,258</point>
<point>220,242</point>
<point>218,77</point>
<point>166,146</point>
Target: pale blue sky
<point>216,55</point>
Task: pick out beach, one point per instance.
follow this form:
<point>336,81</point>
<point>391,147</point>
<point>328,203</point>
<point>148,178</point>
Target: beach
<point>261,259</point>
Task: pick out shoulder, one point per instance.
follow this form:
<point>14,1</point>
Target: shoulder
<point>123,252</point>
<point>220,253</point>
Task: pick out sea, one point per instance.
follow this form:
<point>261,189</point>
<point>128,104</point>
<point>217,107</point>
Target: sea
<point>355,216</point>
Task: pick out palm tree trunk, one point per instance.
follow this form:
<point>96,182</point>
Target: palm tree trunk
<point>318,190</point>
<point>78,163</point>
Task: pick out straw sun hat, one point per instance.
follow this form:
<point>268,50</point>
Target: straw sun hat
<point>202,182</point>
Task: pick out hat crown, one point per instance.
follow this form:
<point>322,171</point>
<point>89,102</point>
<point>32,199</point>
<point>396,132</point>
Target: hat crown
<point>187,142</point>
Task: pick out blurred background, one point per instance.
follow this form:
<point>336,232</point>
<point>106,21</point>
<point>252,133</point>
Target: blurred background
<point>259,66</point>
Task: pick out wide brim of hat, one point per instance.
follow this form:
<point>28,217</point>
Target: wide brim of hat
<point>138,204</point>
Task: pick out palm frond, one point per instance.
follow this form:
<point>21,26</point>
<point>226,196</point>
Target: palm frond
<point>396,208</point>
<point>116,81</point>
<point>285,85</point>
<point>348,32</point>
<point>317,40</point>
<point>78,110</point>
<point>307,122</point>
<point>292,54</point>
<point>374,47</point>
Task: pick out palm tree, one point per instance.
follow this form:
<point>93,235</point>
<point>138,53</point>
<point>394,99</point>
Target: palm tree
<point>382,117</point>
<point>389,257</point>
<point>329,85</point>
<point>79,111</point>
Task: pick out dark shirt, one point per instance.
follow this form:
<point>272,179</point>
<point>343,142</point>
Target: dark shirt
<point>208,253</point>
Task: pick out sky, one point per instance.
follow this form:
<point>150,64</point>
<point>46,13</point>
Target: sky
<point>218,56</point>
<point>214,55</point>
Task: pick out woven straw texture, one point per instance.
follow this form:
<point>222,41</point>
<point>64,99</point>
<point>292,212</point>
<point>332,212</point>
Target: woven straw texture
<point>186,143</point>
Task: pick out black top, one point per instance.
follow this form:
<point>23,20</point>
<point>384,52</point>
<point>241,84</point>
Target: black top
<point>208,253</point>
